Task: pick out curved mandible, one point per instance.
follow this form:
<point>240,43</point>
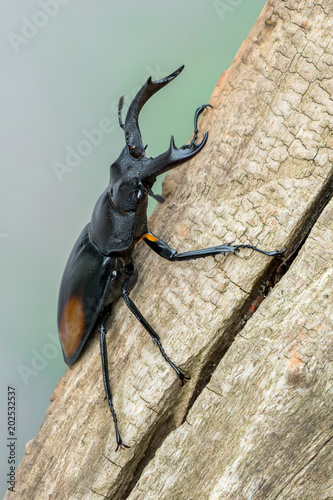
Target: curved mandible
<point>131,126</point>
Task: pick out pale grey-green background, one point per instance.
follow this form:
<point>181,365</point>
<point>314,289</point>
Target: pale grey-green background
<point>64,65</point>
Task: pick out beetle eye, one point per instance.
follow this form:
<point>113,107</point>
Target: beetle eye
<point>139,195</point>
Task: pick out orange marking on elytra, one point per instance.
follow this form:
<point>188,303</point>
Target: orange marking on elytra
<point>72,325</point>
<point>147,236</point>
<point>150,237</point>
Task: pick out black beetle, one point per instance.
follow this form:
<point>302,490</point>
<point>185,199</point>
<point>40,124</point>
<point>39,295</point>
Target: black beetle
<point>100,268</point>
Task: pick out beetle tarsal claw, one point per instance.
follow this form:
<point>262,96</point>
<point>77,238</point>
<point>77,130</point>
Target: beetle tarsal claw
<point>183,378</point>
<point>121,446</point>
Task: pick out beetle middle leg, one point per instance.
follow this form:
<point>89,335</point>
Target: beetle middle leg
<point>106,379</point>
<point>127,286</point>
<point>161,248</point>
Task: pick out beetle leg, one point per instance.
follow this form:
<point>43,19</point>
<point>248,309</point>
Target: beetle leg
<point>196,117</point>
<point>163,249</point>
<point>157,197</point>
<point>106,379</point>
<point>127,286</point>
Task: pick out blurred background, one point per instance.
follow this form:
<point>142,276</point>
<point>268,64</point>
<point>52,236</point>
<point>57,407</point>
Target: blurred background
<point>64,65</point>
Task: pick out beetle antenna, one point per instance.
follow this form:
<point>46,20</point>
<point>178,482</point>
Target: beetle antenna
<point>157,197</point>
<point>120,107</point>
<point>196,117</point>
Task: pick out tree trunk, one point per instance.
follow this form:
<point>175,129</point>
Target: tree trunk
<point>255,420</point>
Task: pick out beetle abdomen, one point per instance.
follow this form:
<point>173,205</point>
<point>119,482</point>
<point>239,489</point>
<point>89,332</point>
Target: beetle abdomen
<point>83,293</point>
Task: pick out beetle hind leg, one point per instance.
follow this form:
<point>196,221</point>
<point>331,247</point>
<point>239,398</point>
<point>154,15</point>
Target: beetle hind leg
<point>105,368</point>
<point>127,286</point>
<point>180,374</point>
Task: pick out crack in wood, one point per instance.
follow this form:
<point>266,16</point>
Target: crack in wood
<point>304,467</point>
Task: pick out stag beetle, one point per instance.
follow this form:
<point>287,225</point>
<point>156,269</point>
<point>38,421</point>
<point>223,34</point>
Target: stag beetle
<point>100,268</point>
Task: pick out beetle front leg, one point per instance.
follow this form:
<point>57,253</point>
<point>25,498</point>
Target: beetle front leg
<point>106,379</point>
<point>127,286</point>
<point>161,248</point>
<point>196,117</point>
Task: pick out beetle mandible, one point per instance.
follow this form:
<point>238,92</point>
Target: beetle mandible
<point>100,268</point>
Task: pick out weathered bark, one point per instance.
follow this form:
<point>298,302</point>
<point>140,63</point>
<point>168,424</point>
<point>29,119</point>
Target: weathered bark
<point>261,427</point>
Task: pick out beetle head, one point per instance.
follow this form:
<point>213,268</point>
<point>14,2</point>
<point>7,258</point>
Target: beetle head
<point>127,191</point>
<point>132,175</point>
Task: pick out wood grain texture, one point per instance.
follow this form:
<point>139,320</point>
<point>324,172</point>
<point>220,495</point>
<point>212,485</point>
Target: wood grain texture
<point>261,427</point>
